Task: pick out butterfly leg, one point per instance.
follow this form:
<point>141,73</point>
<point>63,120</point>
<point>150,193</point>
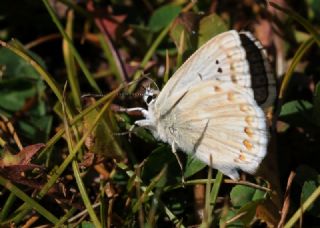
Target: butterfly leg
<point>142,110</point>
<point>174,151</point>
<point>141,123</point>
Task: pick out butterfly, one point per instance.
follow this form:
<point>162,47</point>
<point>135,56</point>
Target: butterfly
<point>212,107</point>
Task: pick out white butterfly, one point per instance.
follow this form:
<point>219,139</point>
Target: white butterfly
<point>210,106</point>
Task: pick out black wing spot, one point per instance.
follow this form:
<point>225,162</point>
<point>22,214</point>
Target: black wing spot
<point>200,76</point>
<point>217,61</point>
<point>219,70</point>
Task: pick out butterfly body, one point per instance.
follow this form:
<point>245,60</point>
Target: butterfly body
<point>210,109</point>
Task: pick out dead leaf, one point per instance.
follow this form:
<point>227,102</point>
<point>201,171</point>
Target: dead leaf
<point>88,159</point>
<point>22,158</point>
<point>110,22</point>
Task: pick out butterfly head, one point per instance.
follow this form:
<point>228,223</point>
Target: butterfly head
<point>150,95</point>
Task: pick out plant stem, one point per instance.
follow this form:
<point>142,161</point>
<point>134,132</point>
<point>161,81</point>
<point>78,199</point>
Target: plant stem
<point>303,208</point>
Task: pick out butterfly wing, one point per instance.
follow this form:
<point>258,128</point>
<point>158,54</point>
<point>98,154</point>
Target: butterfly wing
<point>220,120</point>
<point>224,58</point>
<point>262,79</point>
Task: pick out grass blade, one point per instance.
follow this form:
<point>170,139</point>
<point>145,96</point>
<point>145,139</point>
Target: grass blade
<point>74,51</point>
<point>28,200</point>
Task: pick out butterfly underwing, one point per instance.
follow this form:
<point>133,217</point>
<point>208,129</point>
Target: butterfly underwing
<point>212,107</point>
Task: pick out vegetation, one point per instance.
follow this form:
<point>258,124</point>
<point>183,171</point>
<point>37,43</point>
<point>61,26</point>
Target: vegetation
<point>68,159</point>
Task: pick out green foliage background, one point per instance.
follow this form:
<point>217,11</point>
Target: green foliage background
<point>85,174</point>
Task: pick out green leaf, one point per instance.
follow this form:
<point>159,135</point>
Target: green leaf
<point>21,90</point>
<point>301,36</point>
<point>36,127</point>
<point>156,161</point>
<point>309,179</point>
<point>295,107</point>
<point>297,112</point>
<point>143,34</point>
<point>209,27</point>
<point>16,67</point>
<point>235,224</point>
<point>14,93</point>
<point>308,188</point>
<point>144,135</point>
<point>86,224</point>
<point>20,81</point>
<point>249,211</point>
<point>184,33</point>
<point>163,16</point>
<point>316,105</point>
<point>246,199</point>
<point>314,11</point>
<point>193,166</point>
<point>241,195</point>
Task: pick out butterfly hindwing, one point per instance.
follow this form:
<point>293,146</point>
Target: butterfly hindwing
<point>223,121</point>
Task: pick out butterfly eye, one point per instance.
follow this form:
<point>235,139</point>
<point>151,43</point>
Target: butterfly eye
<point>149,96</point>
<point>149,99</point>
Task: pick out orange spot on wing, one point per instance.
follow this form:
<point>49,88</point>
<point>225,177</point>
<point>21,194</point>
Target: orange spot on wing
<point>249,120</point>
<point>244,108</point>
<point>242,157</point>
<point>248,131</point>
<point>247,144</point>
<point>231,96</point>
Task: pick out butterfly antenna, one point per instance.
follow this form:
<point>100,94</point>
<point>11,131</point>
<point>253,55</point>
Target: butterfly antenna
<point>91,95</point>
<point>138,79</point>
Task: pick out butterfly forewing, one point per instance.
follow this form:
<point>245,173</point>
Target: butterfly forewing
<point>223,58</point>
<point>262,78</point>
